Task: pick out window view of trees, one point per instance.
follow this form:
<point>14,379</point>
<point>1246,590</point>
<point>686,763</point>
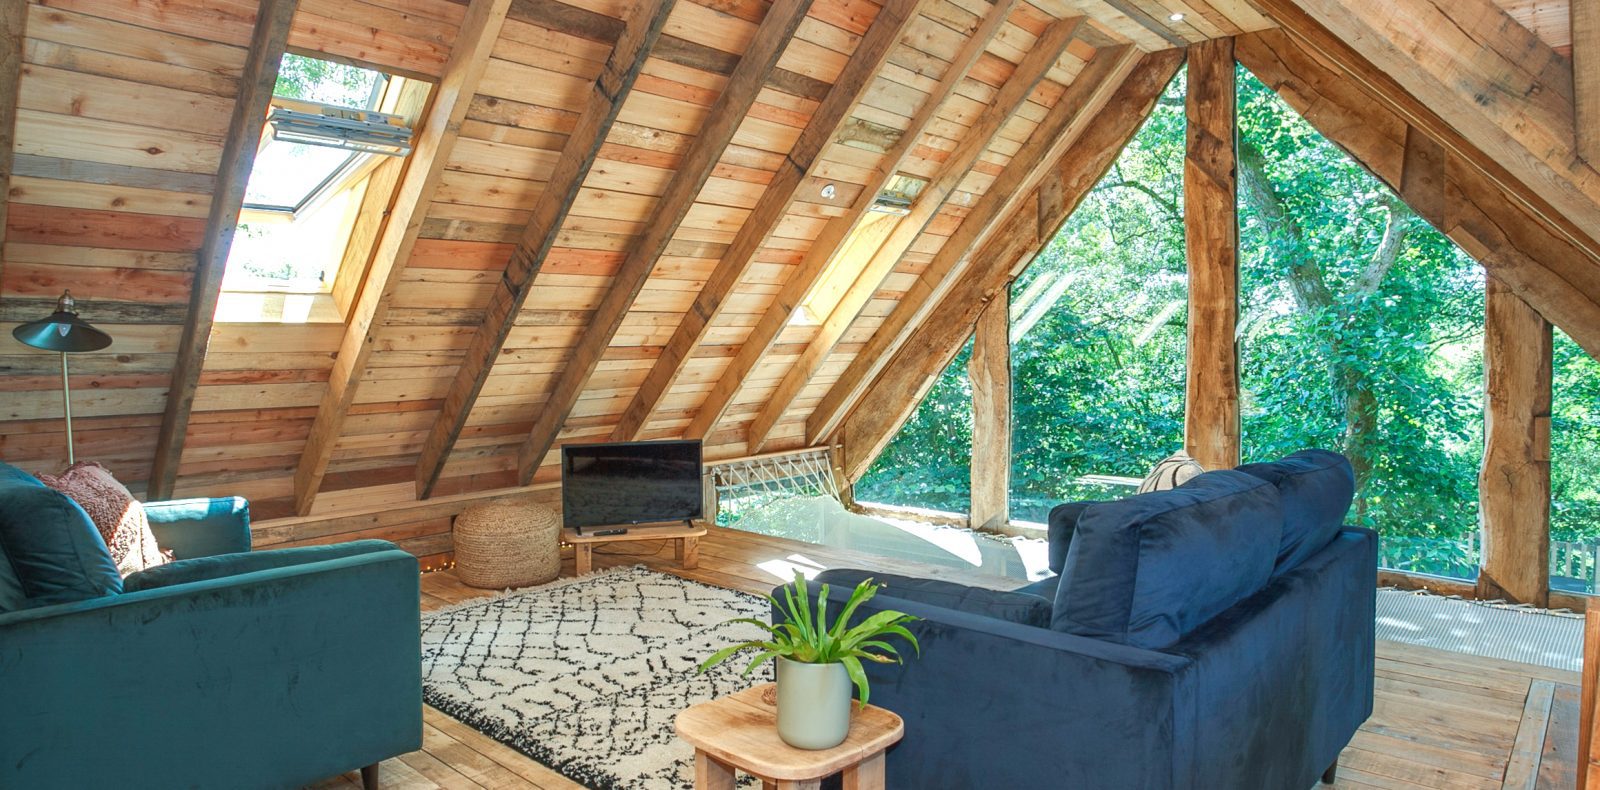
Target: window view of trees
<point>1361,331</point>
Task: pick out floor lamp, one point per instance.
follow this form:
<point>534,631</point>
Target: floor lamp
<point>63,332</point>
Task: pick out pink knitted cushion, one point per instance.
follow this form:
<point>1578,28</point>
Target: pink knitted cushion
<point>119,517</point>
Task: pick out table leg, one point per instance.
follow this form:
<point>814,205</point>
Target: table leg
<point>799,784</point>
<point>582,558</point>
<point>687,553</point>
<point>767,784</point>
<point>711,773</point>
<point>865,775</point>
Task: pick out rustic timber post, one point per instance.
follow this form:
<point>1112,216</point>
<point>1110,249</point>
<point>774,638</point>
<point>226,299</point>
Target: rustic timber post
<point>1514,483</point>
<point>1585,21</point>
<point>1210,211</point>
<point>989,368</point>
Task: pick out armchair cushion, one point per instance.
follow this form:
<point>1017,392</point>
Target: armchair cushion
<point>1147,570</point>
<point>224,565</point>
<point>200,527</point>
<point>51,547</point>
<point>1012,607</point>
<point>1316,487</point>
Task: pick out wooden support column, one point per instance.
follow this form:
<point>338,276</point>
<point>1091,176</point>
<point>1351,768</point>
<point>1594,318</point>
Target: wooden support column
<point>601,106</point>
<point>990,372</point>
<point>424,169</point>
<point>760,59</point>
<point>1211,225</point>
<point>13,33</point>
<point>1514,483</point>
<point>1585,19</point>
<point>260,75</point>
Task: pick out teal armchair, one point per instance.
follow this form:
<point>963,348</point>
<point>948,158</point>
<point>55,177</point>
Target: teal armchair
<point>231,670</point>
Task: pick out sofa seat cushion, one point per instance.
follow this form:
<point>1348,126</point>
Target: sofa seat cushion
<point>1044,588</point>
<point>1013,607</point>
<point>1146,570</point>
<point>221,566</point>
<point>51,546</point>
<point>1315,487</point>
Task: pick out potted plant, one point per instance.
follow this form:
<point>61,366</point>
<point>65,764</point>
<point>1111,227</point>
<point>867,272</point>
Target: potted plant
<point>818,662</point>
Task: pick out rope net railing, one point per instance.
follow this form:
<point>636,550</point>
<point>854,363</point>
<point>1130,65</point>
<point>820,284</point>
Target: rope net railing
<point>748,485</point>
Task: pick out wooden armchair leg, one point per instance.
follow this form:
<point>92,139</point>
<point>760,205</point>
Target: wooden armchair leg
<point>369,777</point>
<point>1329,775</point>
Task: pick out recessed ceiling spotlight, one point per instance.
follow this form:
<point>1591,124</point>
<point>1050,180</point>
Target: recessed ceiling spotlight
<point>1176,17</point>
<point>828,191</point>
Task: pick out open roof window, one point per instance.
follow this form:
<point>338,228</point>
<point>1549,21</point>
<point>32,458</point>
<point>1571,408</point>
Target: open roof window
<point>330,129</point>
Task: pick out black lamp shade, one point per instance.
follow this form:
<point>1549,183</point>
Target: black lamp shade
<point>62,331</point>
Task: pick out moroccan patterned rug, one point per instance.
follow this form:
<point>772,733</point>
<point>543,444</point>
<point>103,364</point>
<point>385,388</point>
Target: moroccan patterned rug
<point>585,675</point>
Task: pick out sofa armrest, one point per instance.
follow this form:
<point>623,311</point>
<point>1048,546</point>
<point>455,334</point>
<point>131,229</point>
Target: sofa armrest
<point>220,566</point>
<point>276,678</point>
<point>1015,607</point>
<point>201,527</point>
<point>1044,708</point>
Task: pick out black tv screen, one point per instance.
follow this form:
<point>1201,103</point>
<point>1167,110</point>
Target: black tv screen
<point>623,483</point>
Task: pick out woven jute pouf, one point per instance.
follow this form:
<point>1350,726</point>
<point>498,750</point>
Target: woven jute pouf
<point>507,544</point>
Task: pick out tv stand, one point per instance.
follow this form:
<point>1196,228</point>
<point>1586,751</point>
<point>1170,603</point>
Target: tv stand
<point>685,539</point>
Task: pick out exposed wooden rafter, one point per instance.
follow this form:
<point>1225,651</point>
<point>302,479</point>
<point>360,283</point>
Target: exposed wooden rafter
<point>1041,58</point>
<point>755,66</point>
<point>1108,66</point>
<point>634,45</point>
<point>430,153</point>
<point>825,125</point>
<point>1541,265</point>
<point>1585,18</point>
<point>1120,108</point>
<point>1211,243</point>
<point>13,33</point>
<point>271,36</point>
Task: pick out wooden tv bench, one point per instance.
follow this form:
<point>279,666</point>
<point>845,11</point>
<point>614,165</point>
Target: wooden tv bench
<point>685,543</point>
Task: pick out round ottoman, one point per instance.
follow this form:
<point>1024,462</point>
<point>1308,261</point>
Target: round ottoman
<point>507,544</point>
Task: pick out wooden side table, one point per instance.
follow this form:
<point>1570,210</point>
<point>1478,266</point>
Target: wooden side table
<point>685,544</point>
<point>740,731</point>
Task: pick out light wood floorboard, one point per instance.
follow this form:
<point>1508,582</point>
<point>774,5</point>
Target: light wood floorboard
<point>1440,720</point>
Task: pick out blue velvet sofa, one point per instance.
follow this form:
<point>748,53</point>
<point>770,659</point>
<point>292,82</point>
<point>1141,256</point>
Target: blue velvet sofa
<point>226,668</point>
<point>1219,635</point>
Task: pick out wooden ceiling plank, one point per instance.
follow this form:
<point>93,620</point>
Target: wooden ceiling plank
<point>425,167</point>
<point>1523,251</point>
<point>1041,58</point>
<point>1033,161</point>
<point>825,125</point>
<point>260,75</point>
<point>905,381</point>
<point>1585,16</point>
<point>604,102</point>
<point>755,66</point>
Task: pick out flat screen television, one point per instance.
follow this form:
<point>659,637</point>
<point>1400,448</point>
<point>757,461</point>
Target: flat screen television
<point>619,484</point>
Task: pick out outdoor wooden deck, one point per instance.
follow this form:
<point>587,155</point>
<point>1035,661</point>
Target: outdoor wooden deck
<point>1441,720</point>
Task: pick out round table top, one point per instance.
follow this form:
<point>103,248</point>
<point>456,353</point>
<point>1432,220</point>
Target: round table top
<point>742,730</point>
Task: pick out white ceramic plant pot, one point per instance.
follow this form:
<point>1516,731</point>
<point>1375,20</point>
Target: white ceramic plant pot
<point>813,704</point>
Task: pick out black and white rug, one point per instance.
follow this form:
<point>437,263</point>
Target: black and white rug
<point>585,675</point>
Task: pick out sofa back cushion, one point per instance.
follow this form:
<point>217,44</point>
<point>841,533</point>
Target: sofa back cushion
<point>1146,570</point>
<point>50,545</point>
<point>1315,487</point>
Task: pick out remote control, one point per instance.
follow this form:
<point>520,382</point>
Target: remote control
<point>601,532</point>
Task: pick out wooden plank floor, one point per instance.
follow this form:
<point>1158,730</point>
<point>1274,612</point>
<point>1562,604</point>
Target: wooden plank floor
<point>1440,720</point>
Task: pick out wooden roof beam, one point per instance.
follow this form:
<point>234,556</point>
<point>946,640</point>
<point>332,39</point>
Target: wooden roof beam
<point>1081,102</point>
<point>634,46</point>
<point>260,75</point>
<point>904,382</point>
<point>756,65</point>
<point>1585,21</point>
<point>424,169</point>
<point>1041,58</point>
<point>1522,250</point>
<point>825,125</point>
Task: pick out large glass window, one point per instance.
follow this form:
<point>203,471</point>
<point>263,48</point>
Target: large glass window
<point>1574,475</point>
<point>928,464</point>
<point>1361,331</point>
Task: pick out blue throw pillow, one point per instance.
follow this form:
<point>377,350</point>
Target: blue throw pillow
<point>53,548</point>
<point>1316,487</point>
<point>1147,570</point>
<point>1063,520</point>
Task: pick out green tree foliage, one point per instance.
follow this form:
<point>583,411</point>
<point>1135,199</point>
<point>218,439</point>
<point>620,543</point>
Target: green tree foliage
<point>1575,444</point>
<point>324,81</point>
<point>929,462</point>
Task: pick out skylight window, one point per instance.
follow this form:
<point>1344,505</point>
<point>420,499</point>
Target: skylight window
<point>289,175</point>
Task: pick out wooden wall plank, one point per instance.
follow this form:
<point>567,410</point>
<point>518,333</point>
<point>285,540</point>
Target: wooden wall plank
<point>13,34</point>
<point>583,144</point>
<point>724,119</point>
<point>989,369</point>
<point>905,381</point>
<point>827,123</point>
<point>1211,241</point>
<point>429,155</point>
<point>273,19</point>
<point>1514,482</point>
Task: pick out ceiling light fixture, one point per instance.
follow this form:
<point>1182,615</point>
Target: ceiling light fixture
<point>1178,17</point>
<point>828,191</point>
